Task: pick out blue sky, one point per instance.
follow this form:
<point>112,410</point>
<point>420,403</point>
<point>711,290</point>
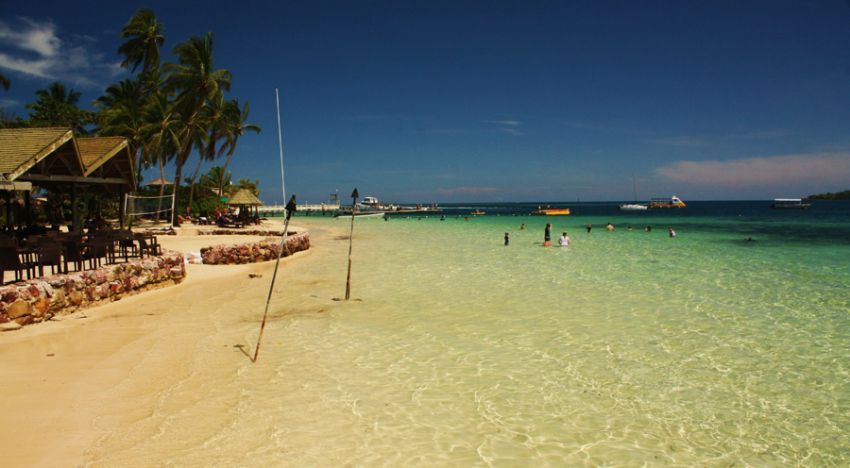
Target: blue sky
<point>496,101</point>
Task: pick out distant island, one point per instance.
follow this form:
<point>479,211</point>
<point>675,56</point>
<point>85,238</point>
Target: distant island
<point>845,195</point>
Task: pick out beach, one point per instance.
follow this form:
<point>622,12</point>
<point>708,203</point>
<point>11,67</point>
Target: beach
<point>626,348</point>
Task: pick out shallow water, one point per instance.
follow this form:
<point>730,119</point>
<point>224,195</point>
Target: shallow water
<point>626,348</point>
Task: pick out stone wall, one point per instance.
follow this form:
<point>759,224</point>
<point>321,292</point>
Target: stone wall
<point>243,232</point>
<point>40,299</point>
<point>261,251</point>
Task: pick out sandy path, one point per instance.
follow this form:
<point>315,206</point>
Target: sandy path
<point>67,384</point>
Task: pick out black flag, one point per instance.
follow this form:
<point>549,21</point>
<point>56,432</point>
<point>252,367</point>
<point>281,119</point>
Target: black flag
<point>291,207</point>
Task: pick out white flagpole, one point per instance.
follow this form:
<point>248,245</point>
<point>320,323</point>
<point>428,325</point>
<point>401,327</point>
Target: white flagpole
<point>288,213</point>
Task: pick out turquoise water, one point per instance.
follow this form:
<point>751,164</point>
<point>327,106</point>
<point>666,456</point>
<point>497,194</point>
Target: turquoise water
<point>628,347</point>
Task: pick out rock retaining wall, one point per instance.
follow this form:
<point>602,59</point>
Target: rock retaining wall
<point>37,300</point>
<point>243,232</point>
<point>261,251</point>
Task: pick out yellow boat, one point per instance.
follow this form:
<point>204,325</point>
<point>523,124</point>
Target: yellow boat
<point>672,202</point>
<point>551,212</point>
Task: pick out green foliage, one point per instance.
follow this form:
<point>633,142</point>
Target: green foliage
<point>57,107</point>
<point>845,195</point>
<point>144,34</point>
<point>213,178</point>
<point>252,185</point>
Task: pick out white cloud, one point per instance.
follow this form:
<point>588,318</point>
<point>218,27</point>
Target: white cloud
<point>511,127</point>
<point>512,131</point>
<point>35,49</point>
<point>6,102</point>
<point>815,168</point>
<point>509,123</point>
<point>35,37</point>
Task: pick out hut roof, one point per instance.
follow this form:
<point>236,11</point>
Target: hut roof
<point>244,197</point>
<point>107,157</point>
<point>23,148</point>
<point>159,181</point>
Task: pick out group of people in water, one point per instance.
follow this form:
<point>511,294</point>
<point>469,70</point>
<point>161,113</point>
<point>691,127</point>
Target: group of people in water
<point>564,240</point>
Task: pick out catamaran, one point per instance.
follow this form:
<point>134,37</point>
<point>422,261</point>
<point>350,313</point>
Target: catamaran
<point>789,204</point>
<point>634,206</point>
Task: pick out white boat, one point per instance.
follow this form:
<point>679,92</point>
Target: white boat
<point>789,204</point>
<point>634,206</point>
<point>370,206</point>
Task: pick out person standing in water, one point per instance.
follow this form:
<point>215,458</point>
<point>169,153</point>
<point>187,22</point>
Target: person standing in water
<point>507,239</point>
<point>564,241</point>
<point>589,228</point>
<point>671,232</point>
<point>547,235</point>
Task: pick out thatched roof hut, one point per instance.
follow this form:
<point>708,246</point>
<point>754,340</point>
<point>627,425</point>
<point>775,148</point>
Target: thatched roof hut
<point>159,182</point>
<point>52,155</point>
<point>244,197</point>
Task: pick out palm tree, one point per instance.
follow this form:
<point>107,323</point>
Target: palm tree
<point>4,82</point>
<point>213,115</point>
<point>145,37</point>
<point>236,125</point>
<point>162,129</point>
<point>248,184</point>
<point>57,106</point>
<point>212,180</point>
<point>195,80</point>
<point>122,114</point>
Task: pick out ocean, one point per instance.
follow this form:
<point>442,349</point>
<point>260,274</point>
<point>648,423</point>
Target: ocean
<point>628,347</point>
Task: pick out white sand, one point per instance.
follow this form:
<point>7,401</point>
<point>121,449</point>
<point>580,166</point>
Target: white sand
<point>67,384</point>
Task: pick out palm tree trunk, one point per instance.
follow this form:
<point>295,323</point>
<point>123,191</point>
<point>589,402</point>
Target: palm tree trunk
<point>140,155</point>
<point>161,187</point>
<point>192,183</point>
<point>178,174</point>
<point>223,174</point>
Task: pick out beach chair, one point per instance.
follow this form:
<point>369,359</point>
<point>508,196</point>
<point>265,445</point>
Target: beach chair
<point>50,254</point>
<point>151,248</point>
<point>10,260</point>
<point>95,250</point>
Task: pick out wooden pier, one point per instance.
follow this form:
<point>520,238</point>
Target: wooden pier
<point>307,208</point>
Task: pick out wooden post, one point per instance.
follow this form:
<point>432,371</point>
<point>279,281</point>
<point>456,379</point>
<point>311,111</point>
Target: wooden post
<point>290,208</point>
<point>354,197</point>
<point>28,207</point>
<point>122,207</point>
<point>8,199</point>
<point>74,214</point>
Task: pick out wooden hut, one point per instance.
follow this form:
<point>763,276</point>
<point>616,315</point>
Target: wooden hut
<point>51,157</point>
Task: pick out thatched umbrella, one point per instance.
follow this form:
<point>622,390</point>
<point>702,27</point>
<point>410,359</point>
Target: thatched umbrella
<point>245,197</point>
<point>158,183</point>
